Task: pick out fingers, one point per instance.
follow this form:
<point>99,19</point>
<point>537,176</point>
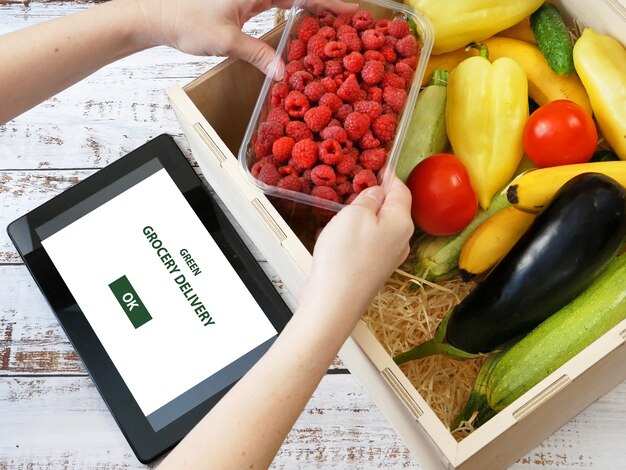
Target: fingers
<point>256,52</point>
<point>372,199</point>
<point>397,207</point>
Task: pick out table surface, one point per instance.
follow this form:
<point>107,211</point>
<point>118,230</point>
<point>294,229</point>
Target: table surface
<point>51,415</point>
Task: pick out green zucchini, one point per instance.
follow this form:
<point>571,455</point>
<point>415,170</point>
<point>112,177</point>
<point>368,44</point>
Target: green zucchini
<point>553,38</point>
<point>552,343</point>
<point>426,134</point>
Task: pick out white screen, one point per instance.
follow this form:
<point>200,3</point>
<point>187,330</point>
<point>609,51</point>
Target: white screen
<point>196,329</point>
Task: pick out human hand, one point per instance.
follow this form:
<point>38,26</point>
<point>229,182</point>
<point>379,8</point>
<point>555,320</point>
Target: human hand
<point>359,249</point>
<point>214,27</point>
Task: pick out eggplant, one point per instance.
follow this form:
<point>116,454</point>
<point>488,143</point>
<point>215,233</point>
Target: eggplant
<point>566,247</point>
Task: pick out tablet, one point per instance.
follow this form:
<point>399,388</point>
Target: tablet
<point>158,294</point>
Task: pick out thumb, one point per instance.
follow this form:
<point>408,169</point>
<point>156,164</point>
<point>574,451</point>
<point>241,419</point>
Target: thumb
<point>257,53</point>
<point>372,198</point>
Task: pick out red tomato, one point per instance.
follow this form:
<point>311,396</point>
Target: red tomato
<point>444,201</point>
<point>560,133</point>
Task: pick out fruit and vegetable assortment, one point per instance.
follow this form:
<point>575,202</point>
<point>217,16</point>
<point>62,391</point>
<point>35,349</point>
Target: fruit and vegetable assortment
<point>517,172</point>
<point>334,115</point>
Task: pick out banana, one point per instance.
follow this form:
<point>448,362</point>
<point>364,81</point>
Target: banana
<point>492,240</point>
<point>544,84</point>
<point>532,190</point>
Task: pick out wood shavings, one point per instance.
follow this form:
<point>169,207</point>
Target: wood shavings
<point>406,313</point>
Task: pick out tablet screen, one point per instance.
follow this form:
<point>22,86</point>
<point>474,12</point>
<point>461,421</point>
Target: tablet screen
<point>173,315</point>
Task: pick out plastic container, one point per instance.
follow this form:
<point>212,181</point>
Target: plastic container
<point>379,9</point>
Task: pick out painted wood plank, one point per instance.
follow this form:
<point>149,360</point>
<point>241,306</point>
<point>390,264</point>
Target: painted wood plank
<point>62,422</point>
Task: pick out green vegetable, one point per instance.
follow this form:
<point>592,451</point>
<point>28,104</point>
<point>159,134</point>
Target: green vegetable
<point>553,38</point>
<point>426,134</point>
<point>552,344</point>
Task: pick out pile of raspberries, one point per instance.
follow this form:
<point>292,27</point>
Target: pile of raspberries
<point>334,115</point>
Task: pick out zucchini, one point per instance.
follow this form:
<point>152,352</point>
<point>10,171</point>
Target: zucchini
<point>568,244</point>
<point>426,134</point>
<point>551,344</point>
<point>553,38</point>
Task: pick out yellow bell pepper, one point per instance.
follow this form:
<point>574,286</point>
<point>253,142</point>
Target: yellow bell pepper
<point>486,112</point>
<point>456,23</point>
<point>600,62</point>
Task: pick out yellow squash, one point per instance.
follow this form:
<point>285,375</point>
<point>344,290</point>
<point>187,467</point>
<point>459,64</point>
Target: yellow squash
<point>456,23</point>
<point>486,112</point>
<point>600,61</point>
<point>492,240</point>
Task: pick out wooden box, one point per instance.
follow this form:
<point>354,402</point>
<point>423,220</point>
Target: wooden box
<point>214,111</point>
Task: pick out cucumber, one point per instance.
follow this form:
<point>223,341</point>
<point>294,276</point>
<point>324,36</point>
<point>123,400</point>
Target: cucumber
<point>551,344</point>
<point>426,134</point>
<point>566,247</point>
<point>553,38</point>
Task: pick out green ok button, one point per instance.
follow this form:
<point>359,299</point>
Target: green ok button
<point>130,302</point>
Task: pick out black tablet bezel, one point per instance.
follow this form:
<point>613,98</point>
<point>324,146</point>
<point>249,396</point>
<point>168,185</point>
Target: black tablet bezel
<point>146,443</point>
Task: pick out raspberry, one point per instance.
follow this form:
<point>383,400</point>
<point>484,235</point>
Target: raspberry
<point>391,41</point>
<point>316,46</point>
<point>404,71</point>
<point>259,150</point>
<point>352,41</point>
<point>356,125</point>
<point>331,100</point>
<point>368,141</point>
<point>410,61</point>
<point>256,168</point>
<point>375,94</point>
<point>374,55</point>
<point>308,28</point>
<point>399,28</point>
<point>291,68</point>
<point>346,165</point>
<point>349,89</point>
<point>372,39</point>
<point>335,49</point>
<point>278,115</point>
<point>307,185</point>
<point>313,64</point>
<point>373,72</point>
<point>314,91</point>
<point>362,20</point>
<point>306,175</point>
<point>267,133</point>
<point>384,127</point>
<point>290,183</point>
<point>281,149</point>
<point>343,111</point>
<point>382,26</point>
<point>332,68</point>
<point>346,29</point>
<point>329,84</point>
<point>328,33</point>
<point>373,109</point>
<point>353,62</point>
<point>299,80</point>
<point>407,46</point>
<point>269,174</point>
<point>323,175</point>
<point>335,123</point>
<point>305,153</point>
<point>325,18</point>
<point>297,50</point>
<point>389,68</point>
<point>393,80</point>
<point>363,180</point>
<point>355,171</point>
<point>387,109</point>
<point>351,197</point>
<point>341,20</point>
<point>389,53</point>
<point>394,97</point>
<point>334,133</point>
<point>329,152</point>
<point>287,170</point>
<point>324,192</point>
<point>296,104</point>
<point>317,118</point>
<point>298,131</point>
<point>343,188</point>
<point>373,159</point>
<point>278,94</point>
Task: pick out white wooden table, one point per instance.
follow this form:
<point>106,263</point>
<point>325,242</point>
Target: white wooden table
<point>51,415</point>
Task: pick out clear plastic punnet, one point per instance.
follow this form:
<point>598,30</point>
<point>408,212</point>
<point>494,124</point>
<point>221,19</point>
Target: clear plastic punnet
<point>380,9</point>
